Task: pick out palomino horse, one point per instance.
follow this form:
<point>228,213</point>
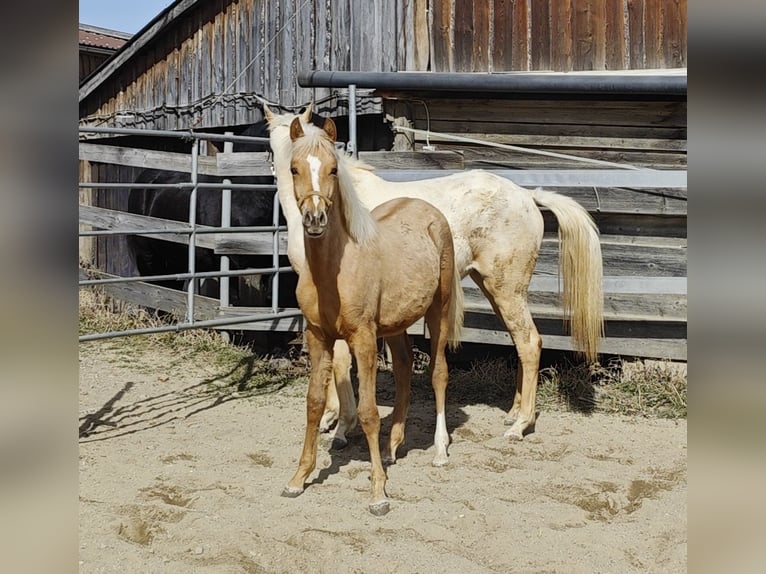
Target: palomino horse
<point>497,230</point>
<point>368,275</point>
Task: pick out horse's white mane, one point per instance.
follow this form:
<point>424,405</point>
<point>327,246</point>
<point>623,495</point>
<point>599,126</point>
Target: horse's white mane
<point>361,225</point>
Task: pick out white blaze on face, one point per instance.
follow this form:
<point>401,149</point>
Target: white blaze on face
<point>314,165</point>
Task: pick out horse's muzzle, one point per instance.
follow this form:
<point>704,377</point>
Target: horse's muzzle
<point>315,222</point>
<point>314,208</point>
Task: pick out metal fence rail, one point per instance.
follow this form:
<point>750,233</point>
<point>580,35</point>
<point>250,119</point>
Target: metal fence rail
<point>192,230</point>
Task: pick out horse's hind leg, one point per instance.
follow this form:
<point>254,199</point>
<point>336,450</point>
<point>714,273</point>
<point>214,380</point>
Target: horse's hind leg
<point>438,327</point>
<point>402,361</point>
<point>510,303</point>
<point>342,391</point>
<point>320,352</point>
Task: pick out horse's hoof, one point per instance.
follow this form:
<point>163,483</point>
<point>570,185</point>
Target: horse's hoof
<point>380,508</point>
<point>388,460</point>
<point>439,461</point>
<point>514,434</point>
<point>290,492</point>
<point>338,443</point>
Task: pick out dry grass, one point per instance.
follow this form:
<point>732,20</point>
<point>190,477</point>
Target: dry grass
<point>650,388</point>
<point>99,313</point>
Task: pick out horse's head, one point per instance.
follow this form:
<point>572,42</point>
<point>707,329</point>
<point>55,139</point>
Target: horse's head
<point>314,168</point>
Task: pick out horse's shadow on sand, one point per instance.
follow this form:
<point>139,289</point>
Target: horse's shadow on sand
<point>249,377</point>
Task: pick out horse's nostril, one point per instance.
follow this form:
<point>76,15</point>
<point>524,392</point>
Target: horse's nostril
<point>323,219</point>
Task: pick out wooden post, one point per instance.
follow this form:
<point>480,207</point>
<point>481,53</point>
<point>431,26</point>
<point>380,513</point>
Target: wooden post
<point>86,247</point>
<point>398,113</point>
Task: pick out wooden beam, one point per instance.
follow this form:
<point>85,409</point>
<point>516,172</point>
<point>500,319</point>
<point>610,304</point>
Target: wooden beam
<point>222,243</point>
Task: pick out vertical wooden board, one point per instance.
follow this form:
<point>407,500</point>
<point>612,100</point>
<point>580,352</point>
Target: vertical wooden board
<point>422,48</point>
<point>653,33</point>
<point>340,34</point>
<point>286,55</point>
<point>614,35</point>
<point>598,27</point>
<point>171,79</point>
<point>520,51</point>
<point>674,34</point>
<point>404,35</point>
<point>389,33</point>
<point>268,28</point>
<point>87,248</point>
<point>365,36</point>
<point>561,35</point>
<point>541,34</point>
<point>636,55</point>
<point>463,48</point>
<point>480,55</point>
<point>442,36</point>
<point>582,35</point>
<point>304,48</point>
<point>684,23</point>
<point>218,60</point>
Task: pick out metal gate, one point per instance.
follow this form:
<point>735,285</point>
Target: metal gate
<point>109,222</point>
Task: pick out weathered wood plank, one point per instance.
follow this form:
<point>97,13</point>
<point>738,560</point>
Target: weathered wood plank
<point>463,36</point>
<point>634,307</point>
<point>540,47</point>
<point>637,58</point>
<point>222,243</point>
<point>485,157</point>
<point>463,126</point>
<point>653,33</point>
<point>561,35</point>
<point>581,113</point>
<point>442,59</point>
<point>568,141</point>
<point>480,57</point>
<point>422,49</point>
<point>154,296</point>
<point>412,160</point>
<point>663,259</point>
<point>142,158</point>
<point>648,347</point>
<point>519,34</point>
<point>614,36</point>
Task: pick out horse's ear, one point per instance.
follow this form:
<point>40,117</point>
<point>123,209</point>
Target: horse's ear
<point>330,129</point>
<point>296,131</point>
<point>306,115</point>
<point>267,113</point>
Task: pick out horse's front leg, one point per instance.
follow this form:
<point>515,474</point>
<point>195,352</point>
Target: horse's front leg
<point>365,350</point>
<point>320,353</point>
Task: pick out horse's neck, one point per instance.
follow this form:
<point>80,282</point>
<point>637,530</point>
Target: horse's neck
<point>324,254</point>
<point>371,189</point>
<point>290,210</point>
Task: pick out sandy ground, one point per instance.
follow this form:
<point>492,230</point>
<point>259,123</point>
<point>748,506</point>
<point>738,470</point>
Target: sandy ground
<point>180,473</point>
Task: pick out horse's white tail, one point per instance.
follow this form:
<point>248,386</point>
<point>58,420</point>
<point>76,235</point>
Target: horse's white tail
<point>455,313</point>
<point>580,266</point>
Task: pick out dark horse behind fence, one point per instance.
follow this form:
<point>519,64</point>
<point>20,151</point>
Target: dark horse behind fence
<point>249,207</point>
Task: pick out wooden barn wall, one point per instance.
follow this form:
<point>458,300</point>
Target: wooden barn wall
<point>202,69</point>
<point>559,35</point>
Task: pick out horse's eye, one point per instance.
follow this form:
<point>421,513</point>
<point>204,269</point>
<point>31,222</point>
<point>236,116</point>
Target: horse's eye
<point>294,170</point>
<point>334,171</point>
